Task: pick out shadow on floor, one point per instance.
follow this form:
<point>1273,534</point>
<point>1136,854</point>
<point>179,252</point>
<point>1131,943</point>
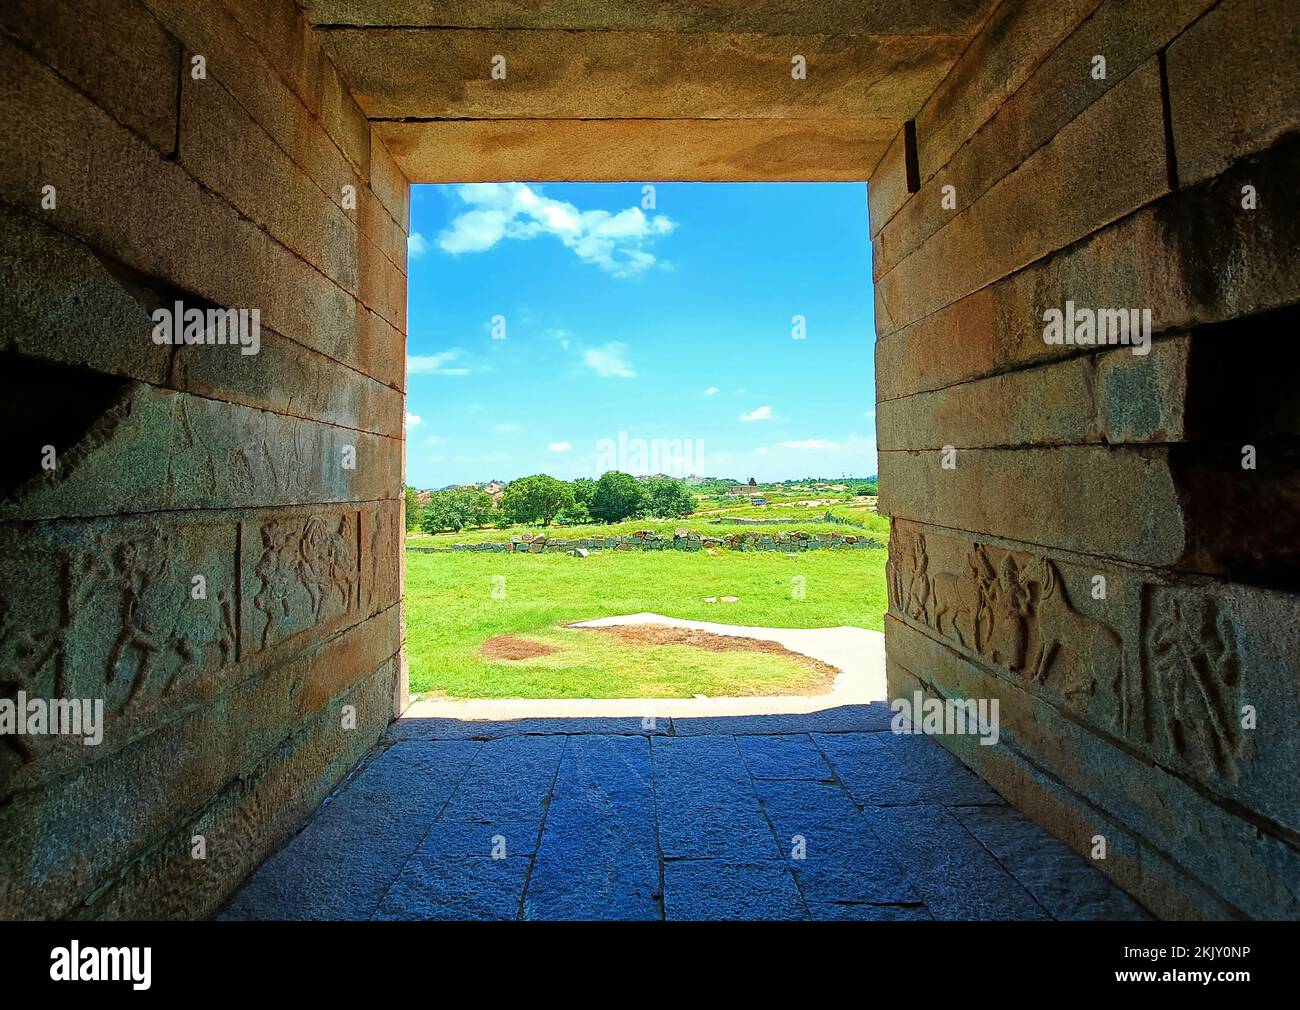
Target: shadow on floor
<point>824,815</point>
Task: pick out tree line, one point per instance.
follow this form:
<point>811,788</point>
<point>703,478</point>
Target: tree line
<point>543,499</point>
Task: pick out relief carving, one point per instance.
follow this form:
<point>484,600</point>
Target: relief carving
<point>1195,673</point>
<point>1015,613</point>
<point>111,617</point>
<point>307,572</point>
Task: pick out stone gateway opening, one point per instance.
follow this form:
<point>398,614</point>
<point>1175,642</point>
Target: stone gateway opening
<point>1083,229</point>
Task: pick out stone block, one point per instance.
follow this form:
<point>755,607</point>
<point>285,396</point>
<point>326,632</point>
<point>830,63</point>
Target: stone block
<point>1125,32</point>
<point>707,890</point>
<point>615,150</point>
<point>124,200</point>
<point>409,73</point>
<point>248,819</point>
<point>156,449</point>
<point>389,184</point>
<point>127,63</point>
<point>1064,191</point>
<point>264,183</point>
<point>61,304</point>
<point>598,857</point>
<point>1009,46</point>
<point>1233,79</point>
<point>1112,397</point>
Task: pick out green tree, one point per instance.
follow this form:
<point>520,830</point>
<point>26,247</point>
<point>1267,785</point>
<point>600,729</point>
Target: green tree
<point>413,508</point>
<point>538,498</point>
<point>455,509</point>
<point>668,498</point>
<point>618,496</point>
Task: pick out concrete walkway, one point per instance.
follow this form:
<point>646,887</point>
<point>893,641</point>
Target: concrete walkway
<point>722,809</point>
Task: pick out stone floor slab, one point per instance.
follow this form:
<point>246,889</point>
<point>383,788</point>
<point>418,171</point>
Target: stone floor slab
<point>1057,876</point>
<point>829,847</point>
<point>843,719</point>
<point>890,769</point>
<point>710,890</point>
<point>341,864</point>
<point>599,856</point>
<point>434,886</point>
<point>706,803</point>
<point>863,912</point>
<point>783,757</point>
<point>954,874</point>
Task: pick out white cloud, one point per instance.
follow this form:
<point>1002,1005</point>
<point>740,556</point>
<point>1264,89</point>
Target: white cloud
<point>416,246</point>
<point>711,391</point>
<point>609,361</point>
<point>559,447</point>
<point>758,414</point>
<point>513,210</point>
<point>412,419</point>
<point>810,443</point>
<point>442,363</point>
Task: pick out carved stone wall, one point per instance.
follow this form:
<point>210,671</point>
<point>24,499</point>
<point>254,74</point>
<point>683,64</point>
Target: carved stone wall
<point>215,551</point>
<point>1105,540</point>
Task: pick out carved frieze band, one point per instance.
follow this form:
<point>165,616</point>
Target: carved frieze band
<point>1155,665</point>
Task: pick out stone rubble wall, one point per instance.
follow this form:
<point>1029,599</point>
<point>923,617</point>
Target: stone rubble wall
<point>649,541</point>
<point>1122,710</point>
<point>228,717</point>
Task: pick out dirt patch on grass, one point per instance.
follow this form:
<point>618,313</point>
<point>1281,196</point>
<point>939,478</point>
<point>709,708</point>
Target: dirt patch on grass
<point>513,647</point>
<point>663,634</point>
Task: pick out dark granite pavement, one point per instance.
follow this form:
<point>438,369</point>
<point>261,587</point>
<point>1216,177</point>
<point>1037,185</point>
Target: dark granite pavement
<point>819,816</point>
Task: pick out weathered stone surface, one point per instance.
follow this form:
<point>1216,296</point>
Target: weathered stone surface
<point>908,17</point>
<point>598,857</point>
<point>288,43</point>
<point>890,769</point>
<point>128,64</point>
<point>1065,190</point>
<point>1233,79</point>
<point>952,872</point>
<point>389,185</point>
<point>434,887</point>
<point>61,304</point>
<point>616,150</point>
<point>399,73</point>
<point>783,757</point>
<point>344,861</point>
<point>1112,397</point>
<point>707,805</point>
<point>1192,258</point>
<point>828,846</point>
<point>1059,879</point>
<point>856,911</point>
<point>1008,47</point>
<point>1121,503</point>
<point>70,834</point>
<point>1164,666</point>
<point>708,890</point>
<point>265,184</point>
<point>155,449</point>
<point>249,817</point>
<point>887,191</point>
<point>509,782</point>
<point>286,378</point>
<point>1251,868</point>
<point>129,198</point>
<point>1125,32</point>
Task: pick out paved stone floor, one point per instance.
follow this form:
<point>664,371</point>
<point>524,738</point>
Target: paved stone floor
<point>703,818</point>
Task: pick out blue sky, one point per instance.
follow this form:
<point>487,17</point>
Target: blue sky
<point>556,328</point>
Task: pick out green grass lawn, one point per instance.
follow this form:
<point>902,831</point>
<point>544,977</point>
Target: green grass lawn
<point>451,611</point>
